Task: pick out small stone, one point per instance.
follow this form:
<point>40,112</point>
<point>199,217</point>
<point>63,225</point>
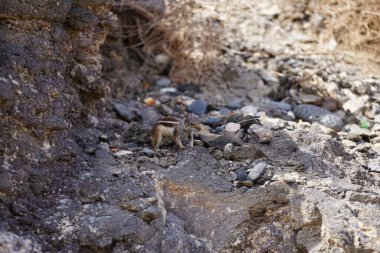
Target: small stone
<point>213,121</point>
<point>374,165</point>
<point>257,171</point>
<point>261,133</point>
<point>355,130</point>
<point>312,113</point>
<point>232,127</point>
<point>151,213</point>
<point>310,99</point>
<point>151,101</point>
<point>122,153</point>
<point>169,90</point>
<point>291,114</point>
<point>189,88</point>
<point>235,103</point>
<point>247,183</point>
<point>218,154</point>
<point>163,82</point>
<point>249,109</point>
<point>349,144</point>
<point>148,151</point>
<point>231,176</point>
<point>377,118</point>
<point>247,151</point>
<point>228,148</point>
<point>292,177</point>
<point>225,111</point>
<point>355,104</point>
<point>103,137</point>
<point>330,104</point>
<point>241,174</point>
<point>280,105</point>
<point>90,150</point>
<point>198,107</point>
<point>105,146</point>
<point>126,112</point>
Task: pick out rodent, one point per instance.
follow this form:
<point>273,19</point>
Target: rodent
<point>175,128</point>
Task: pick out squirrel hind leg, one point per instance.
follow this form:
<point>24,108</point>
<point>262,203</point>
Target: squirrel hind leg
<point>157,139</point>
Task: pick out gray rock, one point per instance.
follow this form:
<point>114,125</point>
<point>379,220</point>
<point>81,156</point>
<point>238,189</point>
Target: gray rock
<point>241,174</point>
<point>163,82</point>
<point>12,243</point>
<point>125,111</point>
<point>148,151</point>
<point>219,141</point>
<point>246,183</point>
<point>169,90</point>
<point>151,213</point>
<point>105,146</point>
<point>280,105</point>
<point>189,88</point>
<point>231,176</point>
<point>228,148</point>
<point>249,109</point>
<point>312,113</point>
<point>247,151</point>
<point>122,153</point>
<point>235,103</point>
<point>257,171</point>
<point>355,104</point>
<point>310,98</point>
<point>212,121</point>
<point>225,111</point>
<point>261,133</point>
<point>374,165</point>
<point>198,107</point>
<point>232,127</point>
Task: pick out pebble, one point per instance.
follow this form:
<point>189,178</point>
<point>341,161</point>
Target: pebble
<point>198,107</point>
<point>163,82</point>
<point>189,88</point>
<point>355,104</point>
<point>241,174</point>
<point>169,90</point>
<point>126,112</point>
<point>228,148</point>
<point>249,109</point>
<point>261,133</point>
<point>355,130</point>
<point>151,101</point>
<point>374,165</point>
<point>349,143</point>
<point>330,104</point>
<point>310,98</point>
<point>105,146</point>
<point>281,105</point>
<point>231,176</point>
<point>225,111</point>
<point>291,114</point>
<point>312,113</point>
<point>257,171</point>
<point>377,118</point>
<point>122,153</point>
<point>232,127</point>
<point>148,151</point>
<point>247,183</point>
<point>235,103</point>
<point>212,120</point>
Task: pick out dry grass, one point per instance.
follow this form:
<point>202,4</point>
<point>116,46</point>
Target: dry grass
<point>354,24</point>
<point>188,40</point>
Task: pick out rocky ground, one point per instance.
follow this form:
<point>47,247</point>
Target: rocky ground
<point>288,159</point>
